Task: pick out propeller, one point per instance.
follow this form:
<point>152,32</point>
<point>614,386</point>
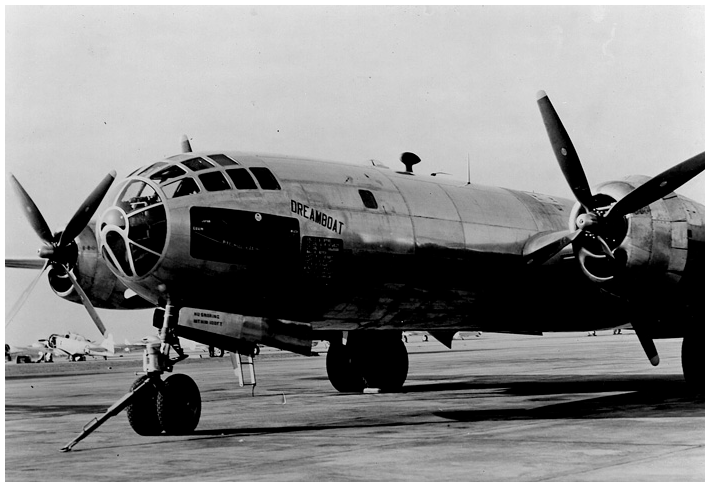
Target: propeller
<point>601,222</point>
<point>184,143</point>
<point>565,152</point>
<point>58,250</point>
<point>546,246</point>
<point>21,301</point>
<point>658,187</point>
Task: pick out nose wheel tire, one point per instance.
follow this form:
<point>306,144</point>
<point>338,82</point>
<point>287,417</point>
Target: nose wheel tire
<point>179,405</point>
<point>142,412</point>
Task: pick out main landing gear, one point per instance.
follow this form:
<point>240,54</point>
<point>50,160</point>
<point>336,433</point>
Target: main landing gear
<point>376,359</point>
<point>693,355</point>
<point>153,405</point>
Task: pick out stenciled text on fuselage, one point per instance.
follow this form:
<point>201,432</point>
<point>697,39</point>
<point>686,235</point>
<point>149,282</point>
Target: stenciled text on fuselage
<point>319,217</point>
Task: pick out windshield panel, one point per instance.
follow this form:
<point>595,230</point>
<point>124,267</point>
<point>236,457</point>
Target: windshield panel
<point>197,164</point>
<point>223,160</point>
<point>241,179</point>
<point>151,168</point>
<point>137,195</point>
<point>214,181</point>
<point>265,178</point>
<point>170,172</point>
<point>183,187</point>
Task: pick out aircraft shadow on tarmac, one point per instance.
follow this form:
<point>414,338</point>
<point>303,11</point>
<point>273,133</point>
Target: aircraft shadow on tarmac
<point>627,405</point>
<point>523,385</point>
<point>48,410</point>
<point>632,396</point>
<point>629,396</point>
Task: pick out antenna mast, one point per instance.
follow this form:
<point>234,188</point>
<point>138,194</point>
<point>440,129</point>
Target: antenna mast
<point>468,169</point>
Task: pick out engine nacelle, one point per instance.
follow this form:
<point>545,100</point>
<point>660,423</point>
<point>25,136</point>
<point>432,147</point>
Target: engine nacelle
<point>103,288</point>
<point>653,245</point>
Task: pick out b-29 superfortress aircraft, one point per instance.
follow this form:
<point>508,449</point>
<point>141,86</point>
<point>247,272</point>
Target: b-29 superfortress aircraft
<point>233,249</point>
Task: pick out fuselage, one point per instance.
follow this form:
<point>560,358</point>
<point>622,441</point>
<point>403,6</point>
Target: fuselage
<point>71,344</point>
<point>342,246</point>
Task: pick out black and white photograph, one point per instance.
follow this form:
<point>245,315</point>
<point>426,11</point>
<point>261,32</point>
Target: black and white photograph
<point>354,243</point>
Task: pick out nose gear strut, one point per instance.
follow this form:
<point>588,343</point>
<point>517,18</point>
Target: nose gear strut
<point>168,338</point>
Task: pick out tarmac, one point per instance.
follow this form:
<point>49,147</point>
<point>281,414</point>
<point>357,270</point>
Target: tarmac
<point>562,407</point>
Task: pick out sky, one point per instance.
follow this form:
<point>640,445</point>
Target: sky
<point>94,89</point>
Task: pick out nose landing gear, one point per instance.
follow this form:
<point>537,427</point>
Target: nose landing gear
<point>142,411</point>
<point>173,406</point>
<point>179,405</point>
<point>153,405</point>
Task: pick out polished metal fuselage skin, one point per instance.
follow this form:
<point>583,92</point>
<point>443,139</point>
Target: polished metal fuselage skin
<point>429,253</point>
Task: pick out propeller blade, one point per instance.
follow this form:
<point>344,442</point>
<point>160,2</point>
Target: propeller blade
<point>565,152</point>
<point>26,263</point>
<point>605,247</point>
<point>548,246</point>
<point>82,217</point>
<point>87,303</point>
<point>23,298</point>
<point>640,326</point>
<point>186,146</point>
<point>583,255</point>
<point>34,216</point>
<point>659,186</point>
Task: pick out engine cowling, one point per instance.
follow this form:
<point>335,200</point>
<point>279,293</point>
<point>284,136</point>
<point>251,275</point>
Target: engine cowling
<point>651,245</point>
<point>101,285</point>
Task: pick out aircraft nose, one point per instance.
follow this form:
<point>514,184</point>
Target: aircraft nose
<point>133,234</point>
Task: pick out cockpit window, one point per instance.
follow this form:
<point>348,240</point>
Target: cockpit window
<point>154,166</point>
<point>197,164</point>
<point>223,160</point>
<point>214,181</point>
<point>137,195</point>
<point>169,172</point>
<point>183,187</point>
<point>132,173</point>
<point>132,190</point>
<point>241,179</point>
<point>265,178</point>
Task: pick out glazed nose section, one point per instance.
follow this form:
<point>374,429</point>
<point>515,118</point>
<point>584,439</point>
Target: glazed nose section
<point>133,238</point>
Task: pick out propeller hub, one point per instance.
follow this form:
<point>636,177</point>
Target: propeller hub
<point>587,220</point>
<point>47,252</point>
